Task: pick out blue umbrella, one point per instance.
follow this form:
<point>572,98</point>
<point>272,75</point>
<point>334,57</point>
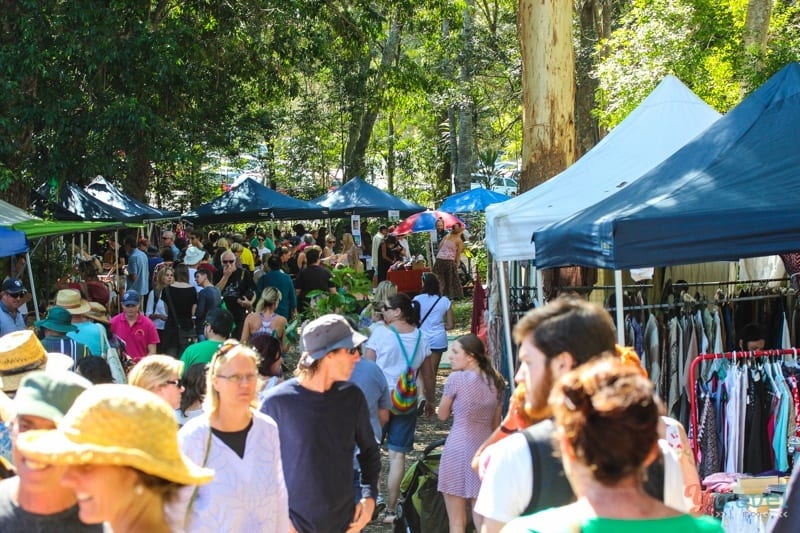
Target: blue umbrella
<point>472,200</point>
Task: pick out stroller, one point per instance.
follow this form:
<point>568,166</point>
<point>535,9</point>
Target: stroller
<point>421,507</point>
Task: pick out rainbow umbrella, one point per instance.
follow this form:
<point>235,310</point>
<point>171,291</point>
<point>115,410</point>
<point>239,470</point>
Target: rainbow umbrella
<point>426,221</point>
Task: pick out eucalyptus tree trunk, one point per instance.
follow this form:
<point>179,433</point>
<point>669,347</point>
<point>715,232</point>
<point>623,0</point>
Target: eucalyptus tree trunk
<point>548,89</point>
<point>466,129</point>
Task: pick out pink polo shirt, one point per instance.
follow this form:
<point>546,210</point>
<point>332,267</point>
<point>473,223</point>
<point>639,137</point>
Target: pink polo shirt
<point>136,337</point>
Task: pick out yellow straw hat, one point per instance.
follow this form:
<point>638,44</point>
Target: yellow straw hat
<point>118,425</point>
<point>21,353</point>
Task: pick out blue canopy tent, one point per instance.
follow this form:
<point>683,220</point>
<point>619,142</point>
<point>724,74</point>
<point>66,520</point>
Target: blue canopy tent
<point>104,191</point>
<point>472,201</point>
<point>73,203</point>
<point>731,192</point>
<point>12,242</point>
<point>357,197</point>
<point>251,200</point>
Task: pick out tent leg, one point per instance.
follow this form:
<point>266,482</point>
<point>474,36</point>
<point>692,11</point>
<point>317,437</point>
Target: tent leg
<point>33,288</point>
<point>501,266</point>
<point>620,310</point>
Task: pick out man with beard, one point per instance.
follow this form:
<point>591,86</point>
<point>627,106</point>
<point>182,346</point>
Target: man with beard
<point>522,476</point>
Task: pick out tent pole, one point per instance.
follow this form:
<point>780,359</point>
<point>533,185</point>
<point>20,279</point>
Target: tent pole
<point>501,266</point>
<point>33,288</point>
<point>620,310</point>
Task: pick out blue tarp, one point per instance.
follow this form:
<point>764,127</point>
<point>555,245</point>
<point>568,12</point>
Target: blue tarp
<point>12,242</point>
<point>731,192</point>
<point>103,190</point>
<point>472,201</point>
<point>357,197</point>
<point>252,201</point>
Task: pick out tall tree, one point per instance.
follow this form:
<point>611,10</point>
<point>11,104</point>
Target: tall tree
<point>548,89</point>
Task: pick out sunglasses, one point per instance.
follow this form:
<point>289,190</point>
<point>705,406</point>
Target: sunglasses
<point>16,296</point>
<point>387,307</point>
<point>175,382</point>
<point>228,262</point>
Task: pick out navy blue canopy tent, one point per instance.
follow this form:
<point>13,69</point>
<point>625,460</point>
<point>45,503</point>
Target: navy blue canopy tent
<point>73,203</point>
<point>357,197</point>
<point>103,190</point>
<point>731,192</point>
<point>251,200</point>
<point>471,201</point>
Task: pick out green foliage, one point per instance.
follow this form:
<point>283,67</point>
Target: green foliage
<point>699,41</point>
<point>353,289</point>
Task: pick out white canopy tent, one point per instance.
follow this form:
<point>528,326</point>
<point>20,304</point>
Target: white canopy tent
<point>666,120</point>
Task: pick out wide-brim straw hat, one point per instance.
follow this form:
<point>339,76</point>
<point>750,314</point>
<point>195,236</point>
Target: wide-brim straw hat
<point>97,312</point>
<point>118,425</point>
<point>21,353</point>
<point>70,299</point>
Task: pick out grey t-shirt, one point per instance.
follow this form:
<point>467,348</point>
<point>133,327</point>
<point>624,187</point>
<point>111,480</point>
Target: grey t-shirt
<point>14,519</point>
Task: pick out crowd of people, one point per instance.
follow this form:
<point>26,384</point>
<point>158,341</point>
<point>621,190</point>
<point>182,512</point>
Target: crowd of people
<point>151,420</point>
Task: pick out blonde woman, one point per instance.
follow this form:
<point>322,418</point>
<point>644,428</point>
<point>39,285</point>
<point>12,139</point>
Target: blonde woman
<point>351,254</point>
<point>265,321</point>
<point>121,455</point>
<point>241,445</point>
<point>372,315</point>
<point>161,375</point>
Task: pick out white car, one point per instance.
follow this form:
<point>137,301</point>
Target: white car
<point>501,184</point>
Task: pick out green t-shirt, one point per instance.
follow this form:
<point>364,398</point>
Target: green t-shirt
<point>200,352</point>
<point>553,521</point>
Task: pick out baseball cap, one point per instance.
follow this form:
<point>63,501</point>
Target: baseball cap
<point>130,297</point>
<point>48,395</point>
<point>328,333</point>
<point>13,286</point>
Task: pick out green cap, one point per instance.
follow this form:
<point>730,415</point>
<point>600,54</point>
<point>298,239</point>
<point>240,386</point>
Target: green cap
<point>48,395</point>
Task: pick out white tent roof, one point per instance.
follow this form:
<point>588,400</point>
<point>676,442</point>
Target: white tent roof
<point>10,214</point>
<point>666,120</point>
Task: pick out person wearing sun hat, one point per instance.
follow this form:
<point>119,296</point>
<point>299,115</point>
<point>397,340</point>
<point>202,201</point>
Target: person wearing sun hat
<point>21,353</point>
<point>35,500</point>
<point>191,258</point>
<point>86,332</point>
<point>120,446</point>
<point>321,418</point>
<point>55,328</point>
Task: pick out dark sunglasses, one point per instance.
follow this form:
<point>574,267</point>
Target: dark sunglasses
<point>16,296</point>
<point>228,262</point>
<point>175,382</point>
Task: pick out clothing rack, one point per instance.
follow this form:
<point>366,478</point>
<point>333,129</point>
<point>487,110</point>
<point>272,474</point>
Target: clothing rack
<point>687,284</point>
<point>703,302</point>
<point>711,357</point>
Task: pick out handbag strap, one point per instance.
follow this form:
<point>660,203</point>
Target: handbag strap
<point>431,309</point>
<point>197,487</point>
<point>409,360</point>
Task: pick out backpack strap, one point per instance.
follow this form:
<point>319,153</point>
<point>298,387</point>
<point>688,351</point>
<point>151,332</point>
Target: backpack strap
<point>409,360</point>
<point>550,487</point>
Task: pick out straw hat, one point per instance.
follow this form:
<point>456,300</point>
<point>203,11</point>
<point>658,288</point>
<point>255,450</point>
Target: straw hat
<point>97,312</point>
<point>118,425</point>
<point>70,299</point>
<point>21,353</point>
